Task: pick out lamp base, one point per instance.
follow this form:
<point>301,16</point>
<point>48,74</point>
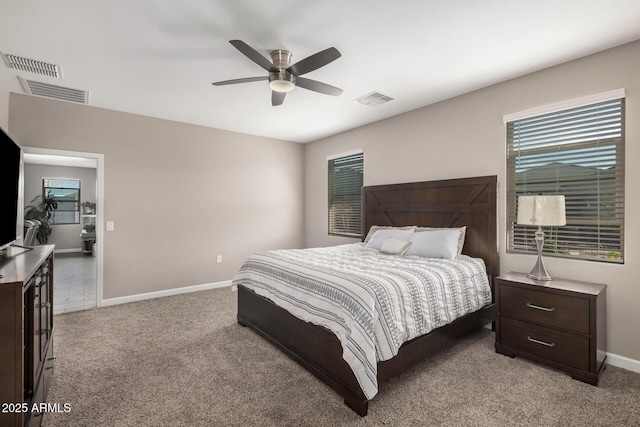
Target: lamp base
<point>539,271</point>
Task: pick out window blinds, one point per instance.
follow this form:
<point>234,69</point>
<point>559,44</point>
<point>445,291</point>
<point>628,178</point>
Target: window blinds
<point>578,153</point>
<point>345,185</point>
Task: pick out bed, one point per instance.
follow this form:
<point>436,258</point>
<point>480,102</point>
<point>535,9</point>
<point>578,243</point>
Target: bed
<point>468,202</point>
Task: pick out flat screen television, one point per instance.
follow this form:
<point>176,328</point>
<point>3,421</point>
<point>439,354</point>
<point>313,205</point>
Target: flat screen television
<point>9,181</point>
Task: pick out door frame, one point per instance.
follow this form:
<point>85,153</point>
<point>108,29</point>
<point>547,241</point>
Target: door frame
<point>99,205</point>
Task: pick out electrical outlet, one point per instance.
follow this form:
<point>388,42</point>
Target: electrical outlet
<point>110,226</point>
<point>219,259</point>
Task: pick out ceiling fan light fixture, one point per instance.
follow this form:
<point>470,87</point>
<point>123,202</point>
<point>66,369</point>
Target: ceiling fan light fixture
<point>281,85</point>
<point>282,81</point>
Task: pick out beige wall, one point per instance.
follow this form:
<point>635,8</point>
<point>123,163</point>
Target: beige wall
<point>64,236</point>
<point>465,136</point>
<point>179,194</point>
<point>4,107</point>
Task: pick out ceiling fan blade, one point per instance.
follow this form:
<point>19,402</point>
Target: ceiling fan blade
<point>277,98</point>
<point>317,86</point>
<point>253,55</point>
<point>245,80</point>
<point>314,61</point>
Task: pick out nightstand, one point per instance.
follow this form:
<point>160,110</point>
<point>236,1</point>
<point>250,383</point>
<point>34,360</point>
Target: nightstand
<point>560,323</point>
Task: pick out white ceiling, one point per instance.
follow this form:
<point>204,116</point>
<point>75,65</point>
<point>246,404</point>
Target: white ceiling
<point>158,58</point>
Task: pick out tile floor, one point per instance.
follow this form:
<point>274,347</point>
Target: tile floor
<point>74,282</point>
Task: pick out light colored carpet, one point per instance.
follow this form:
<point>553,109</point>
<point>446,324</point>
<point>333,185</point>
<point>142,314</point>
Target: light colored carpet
<point>184,361</point>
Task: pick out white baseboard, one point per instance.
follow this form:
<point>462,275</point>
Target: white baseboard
<point>166,293</point>
<point>623,362</point>
<point>67,251</point>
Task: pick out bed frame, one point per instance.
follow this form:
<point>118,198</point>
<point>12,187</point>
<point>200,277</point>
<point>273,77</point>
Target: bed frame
<point>446,203</point>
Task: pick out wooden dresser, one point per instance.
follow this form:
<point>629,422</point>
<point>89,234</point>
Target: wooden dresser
<point>560,323</point>
<point>26,335</point>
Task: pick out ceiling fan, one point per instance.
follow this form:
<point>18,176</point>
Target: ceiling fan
<point>283,76</point>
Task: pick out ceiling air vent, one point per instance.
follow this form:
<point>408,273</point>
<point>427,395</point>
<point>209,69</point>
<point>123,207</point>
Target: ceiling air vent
<point>53,91</point>
<point>373,99</point>
<point>32,66</point>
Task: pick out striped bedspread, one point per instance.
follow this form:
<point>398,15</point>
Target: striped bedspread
<point>371,301</point>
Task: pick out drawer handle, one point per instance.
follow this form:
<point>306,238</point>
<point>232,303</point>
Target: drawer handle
<point>537,307</point>
<point>548,344</point>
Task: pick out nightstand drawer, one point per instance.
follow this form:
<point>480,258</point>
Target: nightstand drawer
<point>551,309</point>
<point>562,347</point>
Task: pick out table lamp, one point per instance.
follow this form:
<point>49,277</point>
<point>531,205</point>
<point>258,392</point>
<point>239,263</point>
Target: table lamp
<point>541,211</point>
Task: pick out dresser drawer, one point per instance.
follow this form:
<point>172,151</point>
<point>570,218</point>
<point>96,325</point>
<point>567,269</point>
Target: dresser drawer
<point>566,312</point>
<point>550,344</point>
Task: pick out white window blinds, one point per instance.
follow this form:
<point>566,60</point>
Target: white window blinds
<point>345,186</point>
<point>578,153</point>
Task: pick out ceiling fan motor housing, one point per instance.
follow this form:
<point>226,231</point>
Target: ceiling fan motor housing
<point>281,80</point>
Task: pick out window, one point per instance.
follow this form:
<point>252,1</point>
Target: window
<point>67,193</point>
<point>578,153</point>
<point>345,187</point>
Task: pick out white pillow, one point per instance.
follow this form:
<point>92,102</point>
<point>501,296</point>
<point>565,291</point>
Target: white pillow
<point>378,238</point>
<point>463,232</point>
<point>393,246</point>
<point>375,228</point>
<point>435,244</point>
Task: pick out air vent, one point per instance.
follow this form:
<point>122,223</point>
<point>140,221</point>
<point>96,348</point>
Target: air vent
<point>53,91</point>
<point>32,66</point>
<point>373,99</point>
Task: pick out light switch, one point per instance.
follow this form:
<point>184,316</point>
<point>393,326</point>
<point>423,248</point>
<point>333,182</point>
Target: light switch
<point>110,226</point>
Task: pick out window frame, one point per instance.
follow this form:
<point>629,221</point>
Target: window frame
<point>46,191</point>
<point>570,241</point>
<point>352,201</point>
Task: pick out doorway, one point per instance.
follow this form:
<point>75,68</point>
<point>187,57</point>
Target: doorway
<point>78,266</point>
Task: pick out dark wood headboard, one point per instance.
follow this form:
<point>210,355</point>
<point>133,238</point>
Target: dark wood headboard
<point>471,202</point>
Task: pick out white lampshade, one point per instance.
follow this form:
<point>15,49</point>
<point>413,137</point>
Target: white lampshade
<point>541,210</point>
